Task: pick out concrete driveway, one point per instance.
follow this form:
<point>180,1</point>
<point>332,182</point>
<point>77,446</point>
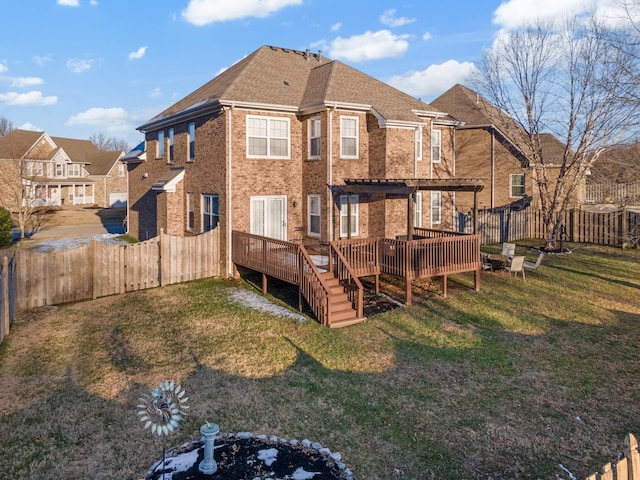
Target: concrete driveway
<point>81,222</point>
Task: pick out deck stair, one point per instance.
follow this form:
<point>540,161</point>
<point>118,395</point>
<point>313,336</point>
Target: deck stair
<point>341,310</point>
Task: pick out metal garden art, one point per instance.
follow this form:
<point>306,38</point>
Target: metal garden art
<point>163,409</point>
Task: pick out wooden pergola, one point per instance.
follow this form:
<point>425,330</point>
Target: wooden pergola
<point>408,188</point>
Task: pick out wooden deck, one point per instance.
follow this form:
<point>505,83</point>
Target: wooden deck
<point>336,295</point>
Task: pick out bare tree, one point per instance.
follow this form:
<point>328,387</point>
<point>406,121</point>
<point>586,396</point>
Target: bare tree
<point>102,142</point>
<point>560,79</point>
<point>6,126</point>
<point>19,188</point>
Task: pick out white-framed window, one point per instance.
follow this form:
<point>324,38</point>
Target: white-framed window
<point>34,168</point>
<point>191,212</point>
<point>210,212</point>
<point>170,135</point>
<point>73,170</point>
<point>121,169</point>
<point>313,222</point>
<point>59,170</point>
<point>516,185</point>
<point>436,208</point>
<point>418,139</point>
<point>191,132</point>
<point>314,137</point>
<point>436,146</point>
<point>417,210</point>
<point>349,144</point>
<point>160,144</point>
<point>268,137</point>
<point>344,218</point>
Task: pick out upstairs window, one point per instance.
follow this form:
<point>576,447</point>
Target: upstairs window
<point>121,170</point>
<point>160,144</point>
<point>517,185</point>
<point>314,137</point>
<point>171,157</point>
<point>191,131</point>
<point>73,170</point>
<point>418,138</point>
<point>349,137</point>
<point>267,137</point>
<point>436,146</point>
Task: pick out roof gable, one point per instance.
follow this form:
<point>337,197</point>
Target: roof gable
<point>18,143</point>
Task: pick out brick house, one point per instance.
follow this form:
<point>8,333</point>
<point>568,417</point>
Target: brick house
<point>487,147</point>
<point>58,171</point>
<point>289,144</point>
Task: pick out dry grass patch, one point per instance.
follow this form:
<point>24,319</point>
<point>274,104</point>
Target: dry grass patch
<point>501,384</point>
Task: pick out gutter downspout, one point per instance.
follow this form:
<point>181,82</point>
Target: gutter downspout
<point>493,160</point>
<point>330,165</point>
<point>229,189</point>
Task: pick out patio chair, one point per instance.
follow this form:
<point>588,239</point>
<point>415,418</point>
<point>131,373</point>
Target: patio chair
<point>517,265</point>
<point>533,266</point>
<point>508,249</point>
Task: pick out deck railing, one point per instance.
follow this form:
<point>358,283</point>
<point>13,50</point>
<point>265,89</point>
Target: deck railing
<point>313,289</point>
<point>272,257</point>
<point>286,261</point>
<point>348,278</point>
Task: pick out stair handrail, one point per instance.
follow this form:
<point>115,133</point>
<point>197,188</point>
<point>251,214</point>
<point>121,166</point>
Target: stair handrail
<point>313,283</point>
<point>345,274</point>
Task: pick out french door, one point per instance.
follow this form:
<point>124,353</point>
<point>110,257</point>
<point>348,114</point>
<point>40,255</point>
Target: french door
<point>269,216</point>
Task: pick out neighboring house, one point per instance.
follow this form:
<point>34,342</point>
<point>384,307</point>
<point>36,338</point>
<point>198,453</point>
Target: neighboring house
<point>110,176</point>
<point>487,147</point>
<point>59,171</point>
<point>294,146</point>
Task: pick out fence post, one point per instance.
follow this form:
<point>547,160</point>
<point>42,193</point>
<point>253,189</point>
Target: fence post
<point>4,325</point>
<point>631,452</point>
<point>624,226</point>
<point>161,260</point>
<point>94,268</point>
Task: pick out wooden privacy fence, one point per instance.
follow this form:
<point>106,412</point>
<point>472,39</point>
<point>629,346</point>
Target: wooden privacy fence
<point>627,468</point>
<point>100,269</point>
<point>579,226</point>
<point>7,294</point>
<point>612,192</point>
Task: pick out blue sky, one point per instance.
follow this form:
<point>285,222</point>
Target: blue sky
<point>74,68</point>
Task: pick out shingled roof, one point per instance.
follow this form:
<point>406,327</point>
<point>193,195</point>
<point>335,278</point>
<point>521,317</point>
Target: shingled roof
<point>298,81</point>
<point>476,112</point>
<point>17,143</point>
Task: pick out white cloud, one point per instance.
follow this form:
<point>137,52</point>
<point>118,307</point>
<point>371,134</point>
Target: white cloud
<point>336,26</point>
<point>69,3</point>
<point>30,126</point>
<point>515,13</point>
<point>22,82</point>
<point>93,2</point>
<point>434,80</point>
<point>100,116</point>
<point>78,65</point>
<point>427,36</point>
<point>3,68</point>
<point>138,53</point>
<point>203,12</point>
<point>42,61</point>
<point>369,46</point>
<point>156,92</point>
<point>30,98</point>
<point>388,18</point>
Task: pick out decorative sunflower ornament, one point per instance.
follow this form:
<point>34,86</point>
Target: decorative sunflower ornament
<point>164,408</point>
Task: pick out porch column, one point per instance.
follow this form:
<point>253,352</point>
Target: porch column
<point>475,212</point>
<point>410,215</point>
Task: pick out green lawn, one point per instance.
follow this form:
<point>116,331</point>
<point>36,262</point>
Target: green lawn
<point>509,382</point>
